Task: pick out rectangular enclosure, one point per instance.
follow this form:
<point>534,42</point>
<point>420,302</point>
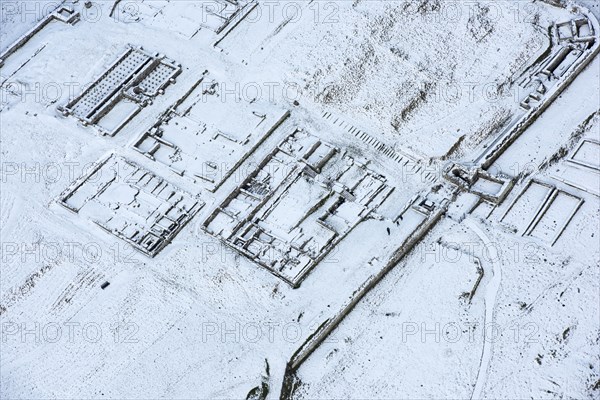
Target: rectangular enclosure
<point>302,200</point>
<point>131,203</point>
<point>204,137</point>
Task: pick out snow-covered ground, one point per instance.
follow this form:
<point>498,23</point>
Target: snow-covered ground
<point>490,301</point>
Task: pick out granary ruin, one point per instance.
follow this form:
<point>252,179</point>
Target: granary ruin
<point>401,168</point>
<point>116,96</point>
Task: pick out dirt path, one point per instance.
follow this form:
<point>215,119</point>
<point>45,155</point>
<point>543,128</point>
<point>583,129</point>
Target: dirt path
<point>490,303</point>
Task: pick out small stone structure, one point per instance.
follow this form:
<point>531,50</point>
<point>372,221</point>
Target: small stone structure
<point>475,180</point>
<point>579,29</point>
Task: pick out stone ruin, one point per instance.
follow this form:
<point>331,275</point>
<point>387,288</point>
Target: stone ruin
<point>129,84</point>
<point>131,203</point>
<point>301,201</point>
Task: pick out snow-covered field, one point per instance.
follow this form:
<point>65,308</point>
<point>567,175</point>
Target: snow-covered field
<point>117,281</point>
